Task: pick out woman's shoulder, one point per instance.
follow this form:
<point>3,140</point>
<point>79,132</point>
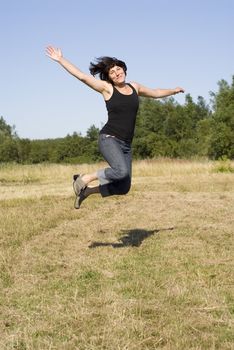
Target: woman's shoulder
<point>135,85</point>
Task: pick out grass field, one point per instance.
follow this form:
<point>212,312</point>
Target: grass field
<point>150,270</point>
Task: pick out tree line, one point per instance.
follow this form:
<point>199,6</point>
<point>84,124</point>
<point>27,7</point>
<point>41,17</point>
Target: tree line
<point>164,128</point>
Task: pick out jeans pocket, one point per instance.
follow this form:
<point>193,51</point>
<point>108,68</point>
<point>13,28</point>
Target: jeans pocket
<point>102,142</point>
<point>105,137</point>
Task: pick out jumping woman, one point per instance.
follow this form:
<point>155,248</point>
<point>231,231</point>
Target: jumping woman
<point>115,138</point>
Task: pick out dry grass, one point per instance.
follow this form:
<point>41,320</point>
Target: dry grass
<point>150,270</point>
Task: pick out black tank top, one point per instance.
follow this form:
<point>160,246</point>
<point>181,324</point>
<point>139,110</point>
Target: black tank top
<point>122,110</point>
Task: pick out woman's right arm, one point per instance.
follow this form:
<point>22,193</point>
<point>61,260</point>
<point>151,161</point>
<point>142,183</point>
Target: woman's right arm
<point>96,84</point>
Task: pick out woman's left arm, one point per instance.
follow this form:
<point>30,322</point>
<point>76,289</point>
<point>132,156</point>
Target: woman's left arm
<point>156,93</point>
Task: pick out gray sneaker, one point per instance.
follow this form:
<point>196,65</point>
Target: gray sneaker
<point>78,184</point>
<point>79,199</point>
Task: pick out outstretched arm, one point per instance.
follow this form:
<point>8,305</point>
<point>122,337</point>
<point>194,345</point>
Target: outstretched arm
<point>156,93</point>
<point>96,84</point>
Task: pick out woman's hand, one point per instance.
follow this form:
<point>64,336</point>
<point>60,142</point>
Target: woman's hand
<point>178,90</point>
<point>54,53</point>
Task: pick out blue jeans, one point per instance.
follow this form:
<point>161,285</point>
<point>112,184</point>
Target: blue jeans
<point>115,180</point>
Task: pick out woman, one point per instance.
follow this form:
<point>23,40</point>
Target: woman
<point>122,101</point>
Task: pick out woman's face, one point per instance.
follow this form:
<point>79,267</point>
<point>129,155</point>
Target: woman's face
<point>117,75</point>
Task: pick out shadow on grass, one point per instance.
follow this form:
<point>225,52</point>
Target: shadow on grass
<point>131,238</point>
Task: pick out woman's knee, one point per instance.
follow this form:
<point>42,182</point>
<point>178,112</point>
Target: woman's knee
<point>125,185</point>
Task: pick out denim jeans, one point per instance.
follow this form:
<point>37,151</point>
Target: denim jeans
<point>116,179</point>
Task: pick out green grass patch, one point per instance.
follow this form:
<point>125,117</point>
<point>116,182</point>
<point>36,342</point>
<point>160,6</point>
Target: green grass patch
<point>224,165</point>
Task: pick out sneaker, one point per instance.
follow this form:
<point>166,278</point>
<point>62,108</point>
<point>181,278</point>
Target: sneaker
<point>80,198</point>
<point>78,184</point>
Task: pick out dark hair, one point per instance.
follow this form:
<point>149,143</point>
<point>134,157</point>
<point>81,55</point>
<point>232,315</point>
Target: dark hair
<point>103,65</point>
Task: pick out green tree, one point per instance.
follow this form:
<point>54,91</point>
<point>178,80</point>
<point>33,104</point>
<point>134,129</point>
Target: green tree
<point>9,150</point>
<point>38,151</point>
<point>6,130</point>
<point>8,144</point>
<point>222,131</point>
<point>24,148</point>
<point>92,133</point>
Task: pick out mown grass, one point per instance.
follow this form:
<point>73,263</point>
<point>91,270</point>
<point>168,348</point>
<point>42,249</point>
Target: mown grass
<point>150,270</point>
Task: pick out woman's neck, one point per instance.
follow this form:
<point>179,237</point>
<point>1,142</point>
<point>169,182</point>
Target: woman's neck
<point>121,85</point>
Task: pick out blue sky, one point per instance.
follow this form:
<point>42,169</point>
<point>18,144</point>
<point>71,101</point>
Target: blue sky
<point>164,43</point>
